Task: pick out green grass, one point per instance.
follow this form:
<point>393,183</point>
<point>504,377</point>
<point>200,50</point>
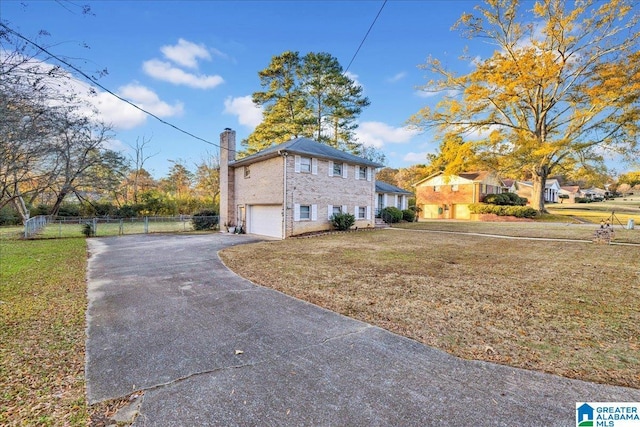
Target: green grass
<point>42,332</point>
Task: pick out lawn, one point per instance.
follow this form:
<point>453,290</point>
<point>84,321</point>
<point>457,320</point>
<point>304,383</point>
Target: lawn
<point>42,332</point>
<point>568,308</point>
<point>623,208</point>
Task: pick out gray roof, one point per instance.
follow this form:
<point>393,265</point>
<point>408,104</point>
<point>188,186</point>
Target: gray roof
<point>306,147</point>
<point>383,187</point>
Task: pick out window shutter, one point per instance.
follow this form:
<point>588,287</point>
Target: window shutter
<point>344,209</point>
<point>297,167</point>
<point>314,166</point>
<point>356,212</point>
<point>344,170</point>
<point>369,174</point>
<point>330,168</point>
<point>356,172</point>
<point>329,211</point>
<point>314,212</point>
<point>368,213</point>
<point>296,212</point>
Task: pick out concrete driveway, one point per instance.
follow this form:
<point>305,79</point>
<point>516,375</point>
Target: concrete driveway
<point>208,348</point>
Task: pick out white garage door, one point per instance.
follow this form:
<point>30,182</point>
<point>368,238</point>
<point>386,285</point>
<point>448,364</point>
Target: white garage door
<point>265,220</point>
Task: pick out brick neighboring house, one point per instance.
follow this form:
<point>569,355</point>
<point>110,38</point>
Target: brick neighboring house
<point>390,195</point>
<point>448,197</point>
<point>294,187</point>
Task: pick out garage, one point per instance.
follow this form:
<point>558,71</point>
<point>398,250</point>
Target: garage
<point>265,220</point>
<point>431,211</point>
<point>461,211</point>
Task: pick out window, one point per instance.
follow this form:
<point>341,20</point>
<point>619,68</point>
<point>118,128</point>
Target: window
<point>454,187</point>
<point>362,212</point>
<point>247,172</point>
<point>337,169</point>
<point>362,172</point>
<point>436,188</point>
<point>336,210</point>
<point>305,212</point>
<point>305,164</point>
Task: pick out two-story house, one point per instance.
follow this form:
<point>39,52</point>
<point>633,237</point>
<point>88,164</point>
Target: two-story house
<point>294,187</point>
<point>441,196</point>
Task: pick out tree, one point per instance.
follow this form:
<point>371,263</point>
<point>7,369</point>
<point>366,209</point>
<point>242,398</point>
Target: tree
<point>309,97</point>
<point>78,152</point>
<point>138,159</point>
<point>561,88</point>
<point>207,179</point>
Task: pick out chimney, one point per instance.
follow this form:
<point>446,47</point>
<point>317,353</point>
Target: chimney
<point>227,177</point>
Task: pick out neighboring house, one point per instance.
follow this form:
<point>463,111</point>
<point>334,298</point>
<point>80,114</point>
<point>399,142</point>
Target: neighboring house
<point>390,195</point>
<point>571,191</point>
<point>294,187</point>
<point>525,189</point>
<point>441,196</point>
<point>594,193</point>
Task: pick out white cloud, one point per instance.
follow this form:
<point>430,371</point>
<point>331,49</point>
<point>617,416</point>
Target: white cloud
<point>165,71</point>
<point>186,53</point>
<point>353,77</point>
<point>377,134</point>
<point>397,77</point>
<point>415,157</point>
<point>249,114</point>
<point>124,116</point>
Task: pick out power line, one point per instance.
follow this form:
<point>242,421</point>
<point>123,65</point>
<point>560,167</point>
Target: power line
<point>93,81</point>
<point>365,36</point>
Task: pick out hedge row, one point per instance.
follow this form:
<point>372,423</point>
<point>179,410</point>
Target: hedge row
<point>517,211</point>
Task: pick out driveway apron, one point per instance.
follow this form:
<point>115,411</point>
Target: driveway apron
<point>208,348</point>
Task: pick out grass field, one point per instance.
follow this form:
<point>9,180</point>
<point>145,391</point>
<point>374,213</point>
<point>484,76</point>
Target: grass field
<point>42,332</point>
<point>571,309</point>
<point>623,208</point>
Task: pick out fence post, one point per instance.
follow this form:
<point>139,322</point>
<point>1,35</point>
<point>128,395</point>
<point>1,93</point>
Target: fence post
<point>146,225</point>
<point>121,227</point>
<point>95,226</point>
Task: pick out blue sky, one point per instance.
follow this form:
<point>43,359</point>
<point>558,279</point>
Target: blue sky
<point>195,63</point>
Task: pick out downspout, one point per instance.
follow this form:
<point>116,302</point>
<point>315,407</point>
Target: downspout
<point>284,194</point>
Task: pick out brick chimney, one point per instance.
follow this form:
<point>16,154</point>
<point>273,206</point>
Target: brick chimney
<point>227,177</point>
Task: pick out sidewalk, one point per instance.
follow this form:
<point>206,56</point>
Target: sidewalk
<point>208,348</point>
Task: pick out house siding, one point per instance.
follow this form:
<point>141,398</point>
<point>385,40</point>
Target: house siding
<point>323,190</point>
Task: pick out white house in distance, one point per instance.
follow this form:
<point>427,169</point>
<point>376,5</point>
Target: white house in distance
<point>294,187</point>
<point>525,189</point>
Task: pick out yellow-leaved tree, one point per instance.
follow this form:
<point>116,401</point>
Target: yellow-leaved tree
<point>561,88</point>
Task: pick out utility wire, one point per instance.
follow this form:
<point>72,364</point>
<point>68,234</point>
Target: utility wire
<point>93,81</point>
<point>365,36</point>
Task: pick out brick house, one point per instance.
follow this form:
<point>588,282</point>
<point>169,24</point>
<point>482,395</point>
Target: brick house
<point>294,187</point>
<point>441,196</point>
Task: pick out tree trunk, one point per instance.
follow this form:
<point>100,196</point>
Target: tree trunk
<point>537,194</point>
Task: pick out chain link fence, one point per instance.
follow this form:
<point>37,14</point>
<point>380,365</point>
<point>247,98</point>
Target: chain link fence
<point>60,227</point>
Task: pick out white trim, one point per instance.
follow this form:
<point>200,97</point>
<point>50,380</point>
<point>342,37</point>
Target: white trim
<point>314,212</point>
<point>344,170</point>
<point>344,209</point>
<point>356,211</point>
<point>330,168</point>
<point>368,213</point>
<point>369,174</point>
<point>314,166</point>
<point>329,212</point>
<point>296,212</point>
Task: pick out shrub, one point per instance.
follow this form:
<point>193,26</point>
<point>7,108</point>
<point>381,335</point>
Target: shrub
<point>408,215</point>
<point>582,200</point>
<point>204,220</point>
<point>88,230</point>
<point>517,211</point>
<point>391,214</point>
<point>505,199</point>
<point>342,221</point>
<point>8,216</point>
